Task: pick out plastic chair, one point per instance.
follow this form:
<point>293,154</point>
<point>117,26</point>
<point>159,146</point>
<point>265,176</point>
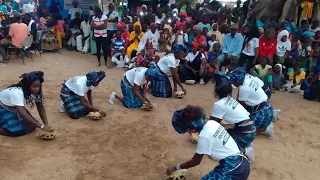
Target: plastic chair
<point>27,45</point>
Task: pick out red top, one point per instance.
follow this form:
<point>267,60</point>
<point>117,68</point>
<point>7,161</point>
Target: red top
<point>267,47</point>
<point>202,43</point>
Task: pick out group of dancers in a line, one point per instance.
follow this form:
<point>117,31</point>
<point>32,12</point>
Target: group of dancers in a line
<point>250,113</point>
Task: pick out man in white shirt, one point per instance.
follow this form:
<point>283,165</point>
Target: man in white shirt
<point>28,7</point>
<point>215,141</point>
<point>113,19</point>
<point>72,11</point>
<point>84,39</point>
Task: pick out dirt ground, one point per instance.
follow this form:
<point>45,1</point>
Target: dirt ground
<point>139,145</point>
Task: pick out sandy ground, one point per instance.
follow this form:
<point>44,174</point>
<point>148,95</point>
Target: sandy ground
<point>129,144</point>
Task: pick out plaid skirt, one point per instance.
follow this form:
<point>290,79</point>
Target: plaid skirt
<point>12,123</point>
<point>72,103</point>
<point>230,168</point>
<point>243,135</point>
<point>160,85</point>
<point>262,114</point>
<point>129,100</point>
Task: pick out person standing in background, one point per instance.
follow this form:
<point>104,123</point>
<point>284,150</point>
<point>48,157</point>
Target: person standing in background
<point>84,38</point>
<point>72,11</point>
<point>29,7</point>
<point>113,18</point>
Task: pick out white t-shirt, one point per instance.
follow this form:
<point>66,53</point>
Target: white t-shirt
<point>12,97</point>
<point>72,12</point>
<point>250,47</point>
<point>85,27</point>
<point>190,56</point>
<point>314,31</point>
<point>78,85</point>
<point>100,21</point>
<point>211,43</point>
<point>214,140</point>
<point>283,47</point>
<point>136,76</point>
<point>179,39</point>
<point>230,110</point>
<point>112,25</point>
<point>29,8</point>
<point>167,62</point>
<point>251,92</point>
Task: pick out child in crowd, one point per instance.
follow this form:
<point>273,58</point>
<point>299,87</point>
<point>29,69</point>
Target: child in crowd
<point>214,53</point>
<point>117,43</point>
<point>304,52</point>
<point>278,78</point>
<point>212,42</point>
<point>120,58</point>
<point>263,71</point>
<point>296,78</point>
<point>75,31</point>
<point>131,63</point>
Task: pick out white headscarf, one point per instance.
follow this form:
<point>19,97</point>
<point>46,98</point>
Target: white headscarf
<point>283,33</point>
<point>217,33</point>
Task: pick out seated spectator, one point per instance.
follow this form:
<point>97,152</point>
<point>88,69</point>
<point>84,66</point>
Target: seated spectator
<point>199,38</point>
<point>263,71</point>
<point>164,40</point>
<point>316,38</point>
<point>180,37</point>
<point>182,21</point>
<point>150,38</point>
<point>231,47</point>
<point>117,43</point>
<point>83,39</point>
<point>311,85</point>
<point>283,46</point>
<point>132,61</point>
<point>18,32</point>
<point>214,30</point>
<point>212,41</point>
<point>315,27</point>
<point>295,79</point>
<point>205,23</point>
<point>122,27</point>
<point>135,37</point>
<point>278,77</point>
<point>77,20</point>
<point>268,44</point>
<point>49,37</point>
<point>120,58</point>
<point>75,31</point>
<point>304,50</point>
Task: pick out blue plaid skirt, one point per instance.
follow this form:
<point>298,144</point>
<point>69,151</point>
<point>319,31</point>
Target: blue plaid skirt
<point>262,114</point>
<point>129,100</point>
<point>72,103</point>
<point>230,168</point>
<point>160,85</point>
<point>12,123</point>
<point>243,135</point>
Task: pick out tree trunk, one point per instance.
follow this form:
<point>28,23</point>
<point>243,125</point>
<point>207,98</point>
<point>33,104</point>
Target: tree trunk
<point>316,13</point>
<point>269,7</point>
<point>289,7</point>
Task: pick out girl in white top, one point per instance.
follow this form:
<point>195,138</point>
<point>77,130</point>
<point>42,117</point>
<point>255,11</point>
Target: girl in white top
<point>160,85</point>
<point>255,100</point>
<point>230,110</point>
<point>134,88</point>
<point>214,141</point>
<point>250,48</point>
<point>73,92</point>
<point>15,119</point>
<point>284,45</point>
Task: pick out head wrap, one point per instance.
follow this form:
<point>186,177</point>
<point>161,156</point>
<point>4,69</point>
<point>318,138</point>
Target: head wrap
<point>137,24</point>
<point>238,74</point>
<point>196,27</point>
<point>280,65</point>
<point>177,48</point>
<point>181,125</point>
<point>308,34</point>
<point>33,76</point>
<point>121,25</point>
<point>183,14</point>
<point>195,44</point>
<point>167,26</point>
<point>94,77</point>
<point>221,80</point>
<point>281,34</point>
<point>152,71</point>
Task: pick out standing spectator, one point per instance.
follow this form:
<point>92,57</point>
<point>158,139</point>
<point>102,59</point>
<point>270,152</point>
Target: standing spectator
<point>32,27</point>
<point>231,47</point>
<point>55,8</point>
<point>268,44</point>
<point>84,39</point>
<point>113,18</point>
<point>126,18</point>
<point>3,7</point>
<point>77,20</point>
<point>29,7</point>
<point>99,24</point>
<point>18,32</point>
<point>72,11</point>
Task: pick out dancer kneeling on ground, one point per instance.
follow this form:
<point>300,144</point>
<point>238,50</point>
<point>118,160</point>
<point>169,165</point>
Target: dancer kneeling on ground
<point>73,91</point>
<point>160,85</point>
<point>254,99</point>
<point>233,112</point>
<point>15,119</point>
<point>214,141</point>
<point>134,87</point>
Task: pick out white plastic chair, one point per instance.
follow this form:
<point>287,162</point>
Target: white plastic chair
<point>27,45</point>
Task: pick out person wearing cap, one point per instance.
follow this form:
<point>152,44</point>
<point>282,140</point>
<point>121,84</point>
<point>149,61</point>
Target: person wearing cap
<point>113,19</point>
<point>193,64</point>
<point>134,88</point>
<point>198,38</point>
<point>72,11</point>
<point>182,21</point>
<point>160,85</point>
<point>150,38</point>
<point>231,46</point>
<point>253,97</point>
<point>215,141</point>
<point>230,110</point>
<point>120,58</point>
<point>73,94</point>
